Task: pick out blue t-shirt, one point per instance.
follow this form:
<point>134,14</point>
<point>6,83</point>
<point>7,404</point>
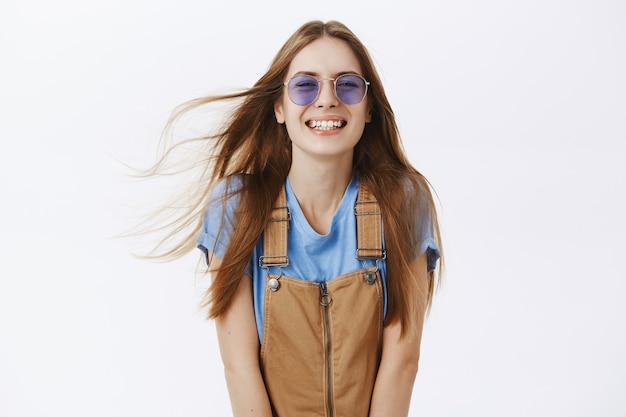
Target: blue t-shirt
<point>312,256</point>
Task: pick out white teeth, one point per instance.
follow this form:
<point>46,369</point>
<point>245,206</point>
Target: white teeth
<point>325,124</point>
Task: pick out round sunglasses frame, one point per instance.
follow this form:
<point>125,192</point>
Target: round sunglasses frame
<point>319,87</point>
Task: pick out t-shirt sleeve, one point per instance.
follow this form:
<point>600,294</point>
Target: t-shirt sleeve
<point>426,234</point>
<point>430,247</point>
<point>219,218</point>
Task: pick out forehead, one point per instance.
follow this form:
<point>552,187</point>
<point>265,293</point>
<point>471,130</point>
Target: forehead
<point>325,57</point>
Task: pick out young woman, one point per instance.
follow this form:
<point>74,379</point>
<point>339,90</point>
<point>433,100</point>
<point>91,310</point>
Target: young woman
<point>322,239</point>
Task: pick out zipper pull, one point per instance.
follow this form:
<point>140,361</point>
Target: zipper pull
<point>325,298</point>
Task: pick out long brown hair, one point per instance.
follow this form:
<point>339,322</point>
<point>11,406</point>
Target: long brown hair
<point>251,142</point>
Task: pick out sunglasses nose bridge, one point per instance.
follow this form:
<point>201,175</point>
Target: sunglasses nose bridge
<point>321,89</point>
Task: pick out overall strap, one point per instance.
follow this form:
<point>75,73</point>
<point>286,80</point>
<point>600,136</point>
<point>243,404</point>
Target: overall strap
<point>275,240</point>
<point>369,226</point>
<point>369,230</point>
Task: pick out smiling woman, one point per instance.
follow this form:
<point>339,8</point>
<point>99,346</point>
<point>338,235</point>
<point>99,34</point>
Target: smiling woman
<point>318,311</point>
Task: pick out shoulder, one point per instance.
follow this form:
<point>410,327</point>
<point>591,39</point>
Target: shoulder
<point>415,193</point>
<point>228,185</point>
<point>223,199</point>
<point>220,214</point>
<point>226,190</point>
<point>415,184</point>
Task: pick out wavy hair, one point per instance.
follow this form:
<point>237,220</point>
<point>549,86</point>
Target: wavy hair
<point>251,142</point>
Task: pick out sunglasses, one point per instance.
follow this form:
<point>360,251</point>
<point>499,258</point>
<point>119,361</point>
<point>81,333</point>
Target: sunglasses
<point>304,89</point>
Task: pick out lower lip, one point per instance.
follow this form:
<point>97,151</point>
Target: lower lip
<point>326,132</point>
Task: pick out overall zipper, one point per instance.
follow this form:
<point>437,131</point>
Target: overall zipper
<point>325,301</point>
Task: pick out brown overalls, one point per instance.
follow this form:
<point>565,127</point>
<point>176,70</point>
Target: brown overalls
<point>322,342</point>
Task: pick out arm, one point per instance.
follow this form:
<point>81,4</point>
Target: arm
<point>239,348</point>
<point>399,362</point>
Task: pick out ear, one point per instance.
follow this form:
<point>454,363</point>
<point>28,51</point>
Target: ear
<point>368,115</point>
<point>278,111</point>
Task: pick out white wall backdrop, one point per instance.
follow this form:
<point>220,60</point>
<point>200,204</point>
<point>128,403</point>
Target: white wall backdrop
<point>515,110</point>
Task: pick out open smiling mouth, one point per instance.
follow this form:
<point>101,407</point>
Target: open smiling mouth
<point>326,124</point>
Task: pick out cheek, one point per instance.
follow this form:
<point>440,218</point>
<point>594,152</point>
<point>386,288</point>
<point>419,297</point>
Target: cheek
<point>292,124</point>
<point>292,114</point>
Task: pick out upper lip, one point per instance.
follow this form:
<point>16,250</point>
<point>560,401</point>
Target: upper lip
<point>328,118</point>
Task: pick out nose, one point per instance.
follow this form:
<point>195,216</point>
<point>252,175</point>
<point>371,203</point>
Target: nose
<point>327,96</point>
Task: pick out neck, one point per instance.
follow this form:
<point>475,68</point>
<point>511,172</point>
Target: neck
<point>319,187</point>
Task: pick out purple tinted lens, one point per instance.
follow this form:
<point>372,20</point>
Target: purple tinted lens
<point>304,89</point>
<point>350,88</point>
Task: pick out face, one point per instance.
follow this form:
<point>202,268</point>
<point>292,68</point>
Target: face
<point>327,127</point>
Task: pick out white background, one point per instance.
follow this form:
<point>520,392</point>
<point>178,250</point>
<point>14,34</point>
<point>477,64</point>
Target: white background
<point>514,110</point>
